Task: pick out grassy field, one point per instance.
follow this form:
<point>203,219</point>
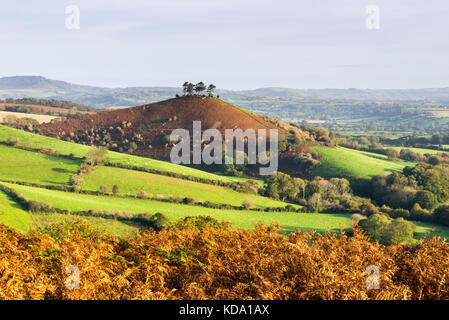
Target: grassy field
<point>241,218</point>
<point>41,118</point>
<point>423,228</point>
<point>419,150</point>
<point>21,165</point>
<point>353,163</point>
<point>133,182</point>
<point>63,147</point>
<point>13,215</point>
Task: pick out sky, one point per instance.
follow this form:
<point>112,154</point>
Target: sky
<point>235,44</point>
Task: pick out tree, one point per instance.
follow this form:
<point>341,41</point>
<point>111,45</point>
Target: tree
<point>103,189</point>
<point>391,153</point>
<point>97,156</point>
<point>248,203</point>
<point>190,88</point>
<point>200,87</point>
<point>441,215</point>
<point>374,226</point>
<point>185,87</point>
<point>210,90</point>
<point>399,230</point>
<point>425,199</point>
<point>281,186</point>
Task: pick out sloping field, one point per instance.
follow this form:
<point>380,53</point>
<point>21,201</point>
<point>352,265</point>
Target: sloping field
<point>27,166</point>
<point>353,163</point>
<point>241,218</point>
<point>420,150</point>
<point>63,147</point>
<point>13,215</point>
<point>133,182</point>
<point>41,118</point>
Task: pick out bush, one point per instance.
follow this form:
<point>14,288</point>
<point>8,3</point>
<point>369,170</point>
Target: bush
<point>200,223</point>
<point>12,141</point>
<point>248,203</point>
<point>441,215</point>
<point>398,230</point>
<point>71,227</point>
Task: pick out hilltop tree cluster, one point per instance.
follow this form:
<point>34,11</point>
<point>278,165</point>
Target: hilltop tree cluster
<point>190,89</point>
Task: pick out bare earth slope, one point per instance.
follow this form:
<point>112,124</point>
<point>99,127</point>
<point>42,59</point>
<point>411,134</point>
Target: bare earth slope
<point>141,130</point>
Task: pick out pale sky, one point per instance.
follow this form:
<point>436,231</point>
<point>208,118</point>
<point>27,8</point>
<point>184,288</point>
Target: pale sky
<point>236,44</point>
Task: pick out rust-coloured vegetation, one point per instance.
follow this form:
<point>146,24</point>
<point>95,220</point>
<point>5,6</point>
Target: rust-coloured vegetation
<point>216,263</point>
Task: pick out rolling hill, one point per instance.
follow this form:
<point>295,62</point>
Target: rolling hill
<point>37,86</point>
<point>144,130</point>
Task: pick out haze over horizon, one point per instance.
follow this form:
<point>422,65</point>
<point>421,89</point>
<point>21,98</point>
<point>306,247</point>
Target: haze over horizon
<point>237,45</point>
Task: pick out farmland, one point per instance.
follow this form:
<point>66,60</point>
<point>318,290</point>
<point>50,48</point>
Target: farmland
<point>26,166</point>
<point>133,182</point>
<point>241,218</point>
<point>353,163</point>
<point>38,117</point>
<point>41,142</point>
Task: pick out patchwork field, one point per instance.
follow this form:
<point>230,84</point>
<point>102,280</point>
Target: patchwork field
<point>38,117</point>
<point>27,166</point>
<point>133,182</point>
<point>41,142</point>
<point>241,218</point>
<point>353,163</point>
<point>420,150</point>
<point>13,215</point>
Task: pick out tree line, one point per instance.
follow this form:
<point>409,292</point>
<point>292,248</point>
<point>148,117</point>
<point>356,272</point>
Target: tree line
<point>190,89</point>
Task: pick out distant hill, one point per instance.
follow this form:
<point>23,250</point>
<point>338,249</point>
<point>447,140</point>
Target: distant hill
<point>40,87</point>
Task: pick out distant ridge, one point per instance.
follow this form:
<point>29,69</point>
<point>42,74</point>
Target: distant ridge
<point>41,87</point>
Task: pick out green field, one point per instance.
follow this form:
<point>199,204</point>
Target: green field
<point>27,166</point>
<point>241,218</point>
<point>419,150</point>
<point>353,163</point>
<point>12,214</point>
<point>63,147</point>
<point>132,182</point>
<point>423,228</point>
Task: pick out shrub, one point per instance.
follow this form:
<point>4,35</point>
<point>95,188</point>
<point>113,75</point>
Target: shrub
<point>12,141</point>
<point>248,203</point>
<point>398,230</point>
<point>200,223</point>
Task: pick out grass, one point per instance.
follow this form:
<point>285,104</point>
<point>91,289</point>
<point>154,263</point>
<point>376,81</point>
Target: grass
<point>111,226</point>
<point>241,218</point>
<point>353,163</point>
<point>425,228</point>
<point>13,215</point>
<point>41,118</point>
<point>133,182</point>
<point>63,147</point>
<point>27,166</point>
<point>419,150</point>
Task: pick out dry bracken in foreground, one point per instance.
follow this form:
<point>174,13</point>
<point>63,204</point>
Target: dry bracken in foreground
<point>214,264</point>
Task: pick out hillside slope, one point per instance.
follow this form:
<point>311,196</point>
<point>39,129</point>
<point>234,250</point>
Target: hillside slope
<point>143,130</point>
